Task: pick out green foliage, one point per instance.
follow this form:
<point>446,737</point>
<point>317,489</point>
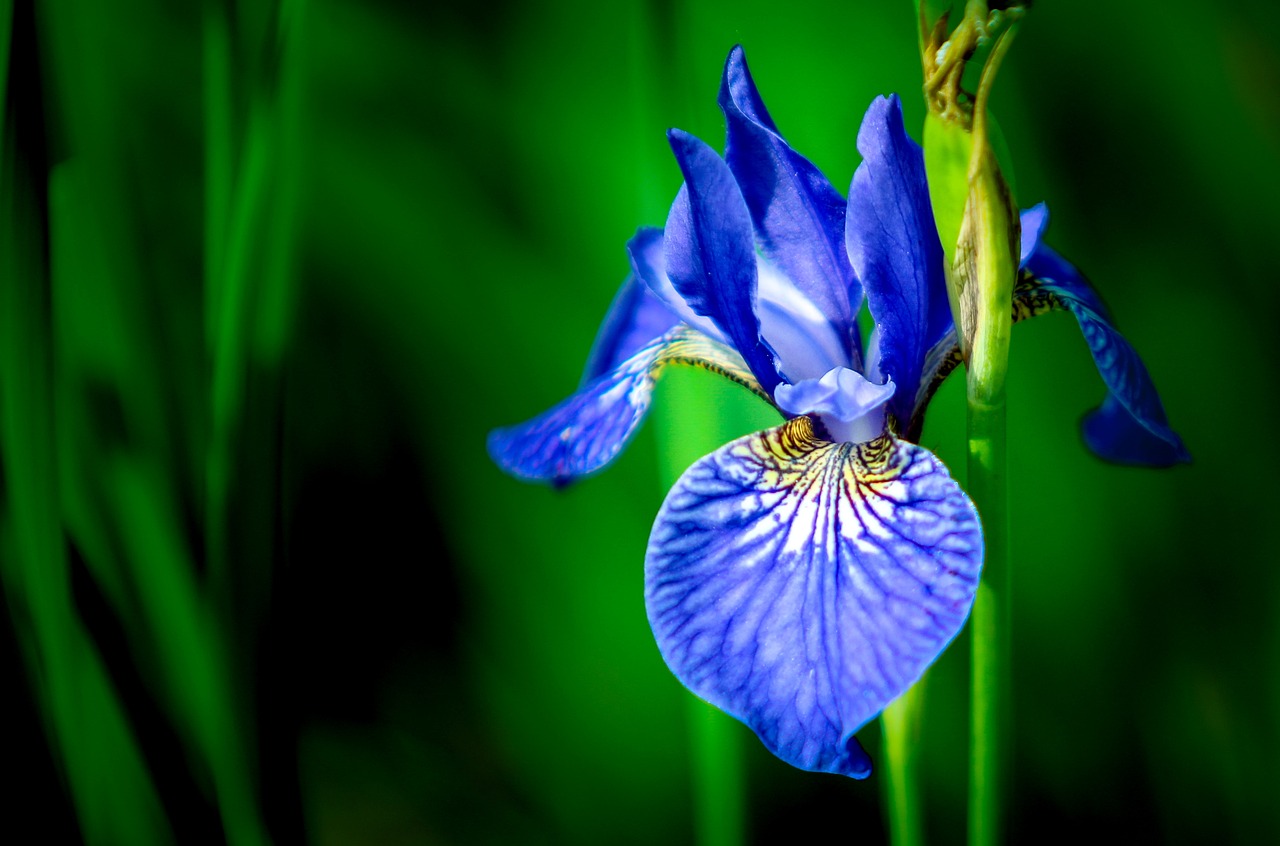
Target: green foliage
<point>263,292</point>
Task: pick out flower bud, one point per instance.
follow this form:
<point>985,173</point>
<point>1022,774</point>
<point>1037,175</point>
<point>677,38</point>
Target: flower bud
<point>973,205</point>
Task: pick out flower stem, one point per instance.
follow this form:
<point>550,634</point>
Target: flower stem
<point>990,704</point>
<point>718,784</point>
<point>694,414</point>
<point>901,725</point>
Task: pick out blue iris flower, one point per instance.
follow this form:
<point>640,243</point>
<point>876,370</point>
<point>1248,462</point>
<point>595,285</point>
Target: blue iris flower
<point>803,577</point>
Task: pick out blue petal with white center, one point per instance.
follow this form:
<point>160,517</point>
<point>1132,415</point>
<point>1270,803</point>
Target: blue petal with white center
<point>798,215</point>
<point>710,252</point>
<point>802,585</point>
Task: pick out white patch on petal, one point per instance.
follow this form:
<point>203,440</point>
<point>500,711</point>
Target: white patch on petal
<point>804,340</point>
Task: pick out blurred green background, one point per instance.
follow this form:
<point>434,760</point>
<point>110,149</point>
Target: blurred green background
<point>272,271</point>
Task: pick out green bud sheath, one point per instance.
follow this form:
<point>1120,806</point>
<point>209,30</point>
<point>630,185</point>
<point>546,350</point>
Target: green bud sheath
<point>973,206</point>
<point>981,273</point>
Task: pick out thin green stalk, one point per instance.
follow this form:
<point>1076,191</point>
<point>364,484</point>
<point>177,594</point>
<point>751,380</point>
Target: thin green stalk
<point>990,704</point>
<point>216,79</point>
<point>250,206</point>
<point>900,723</point>
<point>114,797</point>
<point>690,425</point>
<point>995,218</point>
<point>718,783</point>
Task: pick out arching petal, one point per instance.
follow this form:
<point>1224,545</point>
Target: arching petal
<point>1116,435</point>
<point>710,251</point>
<point>634,319</point>
<point>801,585</point>
<point>1145,437</point>
<point>589,429</point>
<point>797,213</point>
<point>893,244</point>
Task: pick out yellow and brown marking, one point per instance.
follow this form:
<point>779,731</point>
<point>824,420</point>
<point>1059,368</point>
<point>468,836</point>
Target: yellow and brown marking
<point>1030,299</point>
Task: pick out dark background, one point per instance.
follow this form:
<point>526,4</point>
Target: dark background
<point>401,230</point>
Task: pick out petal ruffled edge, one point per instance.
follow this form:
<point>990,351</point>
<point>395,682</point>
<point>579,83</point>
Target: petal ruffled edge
<point>801,585</point>
<point>588,430</point>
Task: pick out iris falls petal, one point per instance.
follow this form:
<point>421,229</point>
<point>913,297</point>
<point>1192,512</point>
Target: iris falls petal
<point>802,585</point>
<point>590,428</point>
<point>1131,426</point>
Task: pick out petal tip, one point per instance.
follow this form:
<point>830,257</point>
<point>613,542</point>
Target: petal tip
<point>855,763</point>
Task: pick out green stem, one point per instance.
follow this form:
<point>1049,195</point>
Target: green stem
<point>718,785</point>
<point>690,424</point>
<point>990,706</point>
<point>900,723</point>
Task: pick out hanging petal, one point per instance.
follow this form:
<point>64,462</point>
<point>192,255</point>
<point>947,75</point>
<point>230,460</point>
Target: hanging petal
<point>894,247</point>
<point>634,319</point>
<point>710,251</point>
<point>797,213</point>
<point>1145,438</point>
<point>589,429</point>
<point>802,585</point>
<point>1116,435</point>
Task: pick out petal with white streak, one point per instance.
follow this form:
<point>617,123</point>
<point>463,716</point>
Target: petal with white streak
<point>802,585</point>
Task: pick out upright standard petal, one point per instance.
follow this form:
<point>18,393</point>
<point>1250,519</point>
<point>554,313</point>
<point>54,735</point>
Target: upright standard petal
<point>802,585</point>
<point>893,244</point>
<point>1131,426</point>
<point>798,214</point>
<point>589,429</point>
<point>710,252</point>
